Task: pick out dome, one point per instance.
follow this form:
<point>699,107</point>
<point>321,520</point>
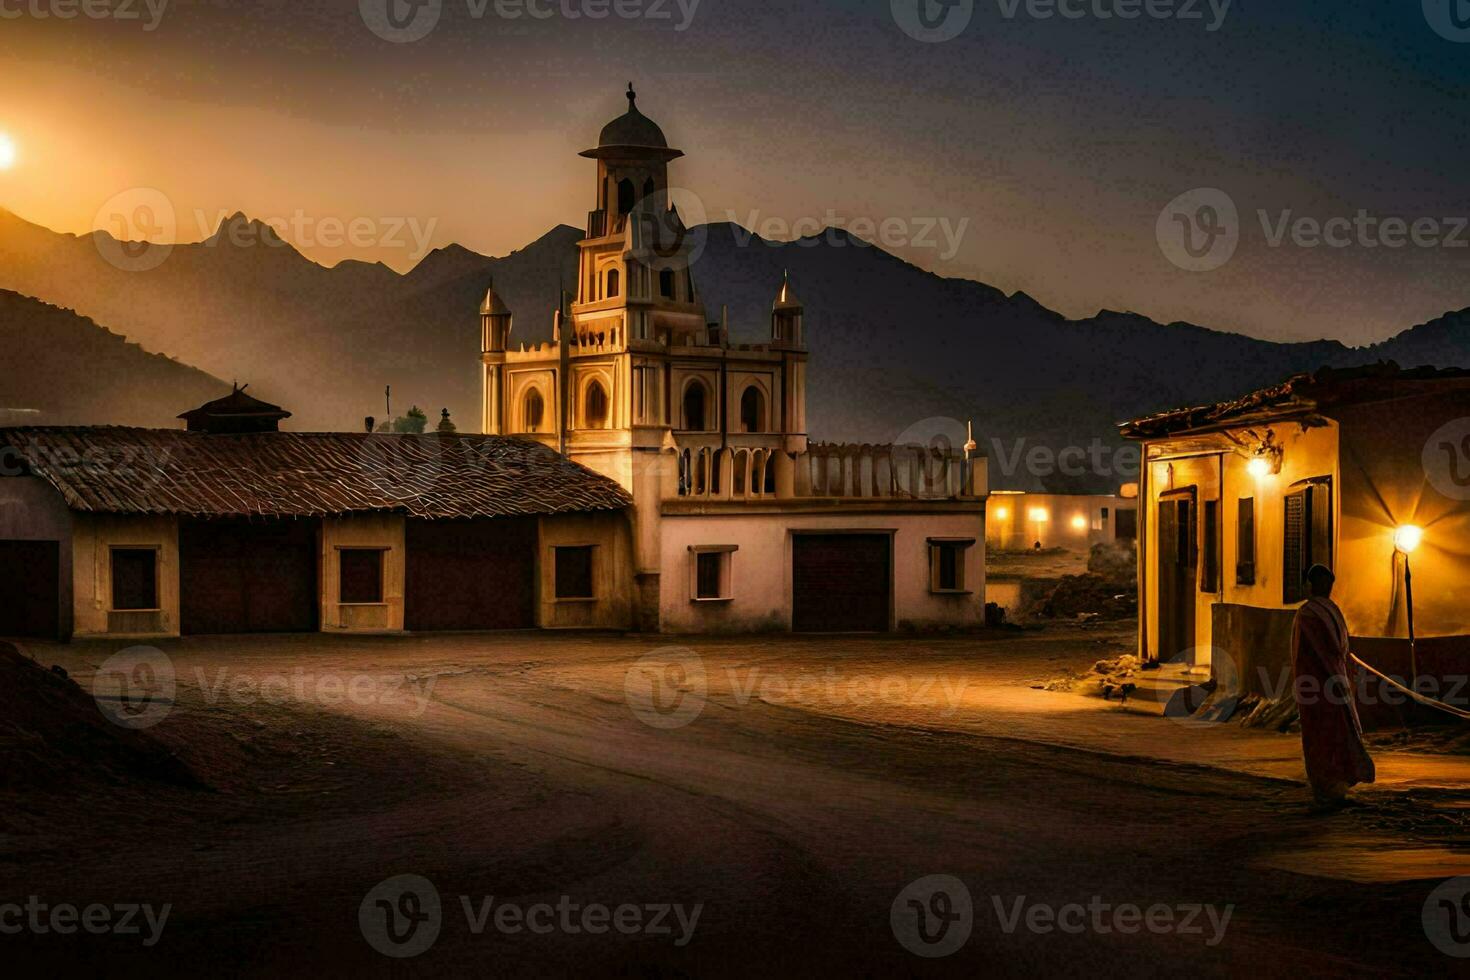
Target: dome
<point>632,130</point>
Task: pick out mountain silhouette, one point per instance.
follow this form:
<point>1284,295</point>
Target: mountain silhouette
<point>895,349</point>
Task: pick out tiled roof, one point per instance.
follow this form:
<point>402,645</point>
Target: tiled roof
<point>114,470</point>
<point>1300,393</point>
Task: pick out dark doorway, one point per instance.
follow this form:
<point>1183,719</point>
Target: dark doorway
<point>1177,572</point>
<point>471,575</point>
<point>840,582</point>
<point>238,576</point>
<point>30,589</point>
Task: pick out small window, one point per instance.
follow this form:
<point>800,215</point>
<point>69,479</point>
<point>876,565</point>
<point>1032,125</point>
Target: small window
<point>134,578</point>
<point>752,410</point>
<point>595,408</point>
<point>361,576</point>
<point>666,283</point>
<point>1209,576</point>
<point>573,572</point>
<point>613,283</point>
<point>711,572</point>
<point>535,410</point>
<point>1307,536</point>
<point>947,563</point>
<point>1245,542</point>
<point>694,404</point>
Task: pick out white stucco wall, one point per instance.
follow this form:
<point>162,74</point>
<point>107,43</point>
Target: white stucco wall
<point>761,567</point>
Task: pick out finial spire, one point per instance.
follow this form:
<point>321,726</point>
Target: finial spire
<point>632,97</point>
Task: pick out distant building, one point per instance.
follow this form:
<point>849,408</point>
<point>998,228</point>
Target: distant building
<point>1238,499</point>
<point>739,522</point>
<point>1019,521</point>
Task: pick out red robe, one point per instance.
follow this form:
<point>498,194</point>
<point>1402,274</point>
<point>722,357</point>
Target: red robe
<point>1332,735</point>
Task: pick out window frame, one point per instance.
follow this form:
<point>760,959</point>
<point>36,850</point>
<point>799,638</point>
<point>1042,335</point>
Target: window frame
<point>1245,541</point>
<point>959,547</point>
<point>1209,551</point>
<point>556,567</point>
<point>1316,494</point>
<point>156,551</point>
<point>725,553</point>
<point>382,591</point>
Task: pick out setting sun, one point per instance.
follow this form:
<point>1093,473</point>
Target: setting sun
<point>7,152</point>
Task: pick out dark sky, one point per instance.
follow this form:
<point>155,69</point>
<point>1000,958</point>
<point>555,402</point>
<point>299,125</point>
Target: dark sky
<point>1033,153</point>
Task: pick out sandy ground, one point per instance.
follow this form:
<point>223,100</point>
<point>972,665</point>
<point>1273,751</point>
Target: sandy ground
<point>791,788</point>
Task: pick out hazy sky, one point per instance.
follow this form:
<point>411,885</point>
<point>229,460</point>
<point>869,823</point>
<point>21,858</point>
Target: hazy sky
<point>1032,152</point>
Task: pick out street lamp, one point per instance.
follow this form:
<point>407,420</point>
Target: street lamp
<point>1406,538</point>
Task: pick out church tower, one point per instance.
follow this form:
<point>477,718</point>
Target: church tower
<point>495,321</point>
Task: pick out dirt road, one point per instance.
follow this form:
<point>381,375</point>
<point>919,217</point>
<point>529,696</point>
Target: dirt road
<point>699,809</point>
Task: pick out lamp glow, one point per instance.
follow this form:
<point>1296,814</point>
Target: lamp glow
<point>1001,513</point>
<point>7,152</point>
<point>1039,514</point>
<point>1259,467</point>
<point>1079,522</point>
<point>1407,537</point>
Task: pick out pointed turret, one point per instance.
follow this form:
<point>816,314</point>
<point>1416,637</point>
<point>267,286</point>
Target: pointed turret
<point>495,323</point>
<point>787,314</point>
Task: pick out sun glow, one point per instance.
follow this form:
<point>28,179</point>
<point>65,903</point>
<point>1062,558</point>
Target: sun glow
<point>7,151</point>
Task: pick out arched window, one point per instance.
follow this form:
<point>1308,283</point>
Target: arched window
<point>533,411</point>
<point>752,410</point>
<point>666,283</point>
<point>694,402</point>
<point>594,407</point>
<point>613,284</point>
<point>625,196</point>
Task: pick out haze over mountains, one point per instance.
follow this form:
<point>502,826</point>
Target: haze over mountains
<point>893,347</point>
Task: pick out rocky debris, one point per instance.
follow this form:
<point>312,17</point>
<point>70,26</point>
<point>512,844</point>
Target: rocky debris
<point>1088,596</point>
<point>1116,562</point>
<point>50,728</point>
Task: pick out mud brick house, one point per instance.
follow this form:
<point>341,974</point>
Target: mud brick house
<point>1238,499</point>
<point>232,526</point>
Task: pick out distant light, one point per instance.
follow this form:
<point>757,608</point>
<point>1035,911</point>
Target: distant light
<point>1128,491</point>
<point>1407,538</point>
<point>1001,513</point>
<point>1259,467</point>
<point>1079,522</point>
<point>1039,514</point>
<point>7,152</point>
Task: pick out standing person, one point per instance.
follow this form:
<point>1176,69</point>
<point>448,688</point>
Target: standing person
<point>1332,735</point>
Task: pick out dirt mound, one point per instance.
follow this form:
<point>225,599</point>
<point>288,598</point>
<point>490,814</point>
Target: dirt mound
<point>1116,563</point>
<point>1089,595</point>
<point>51,729</point>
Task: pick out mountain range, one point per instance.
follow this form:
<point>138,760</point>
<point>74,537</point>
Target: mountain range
<point>895,350</point>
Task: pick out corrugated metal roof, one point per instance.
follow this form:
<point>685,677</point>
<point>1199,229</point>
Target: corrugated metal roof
<point>116,470</point>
